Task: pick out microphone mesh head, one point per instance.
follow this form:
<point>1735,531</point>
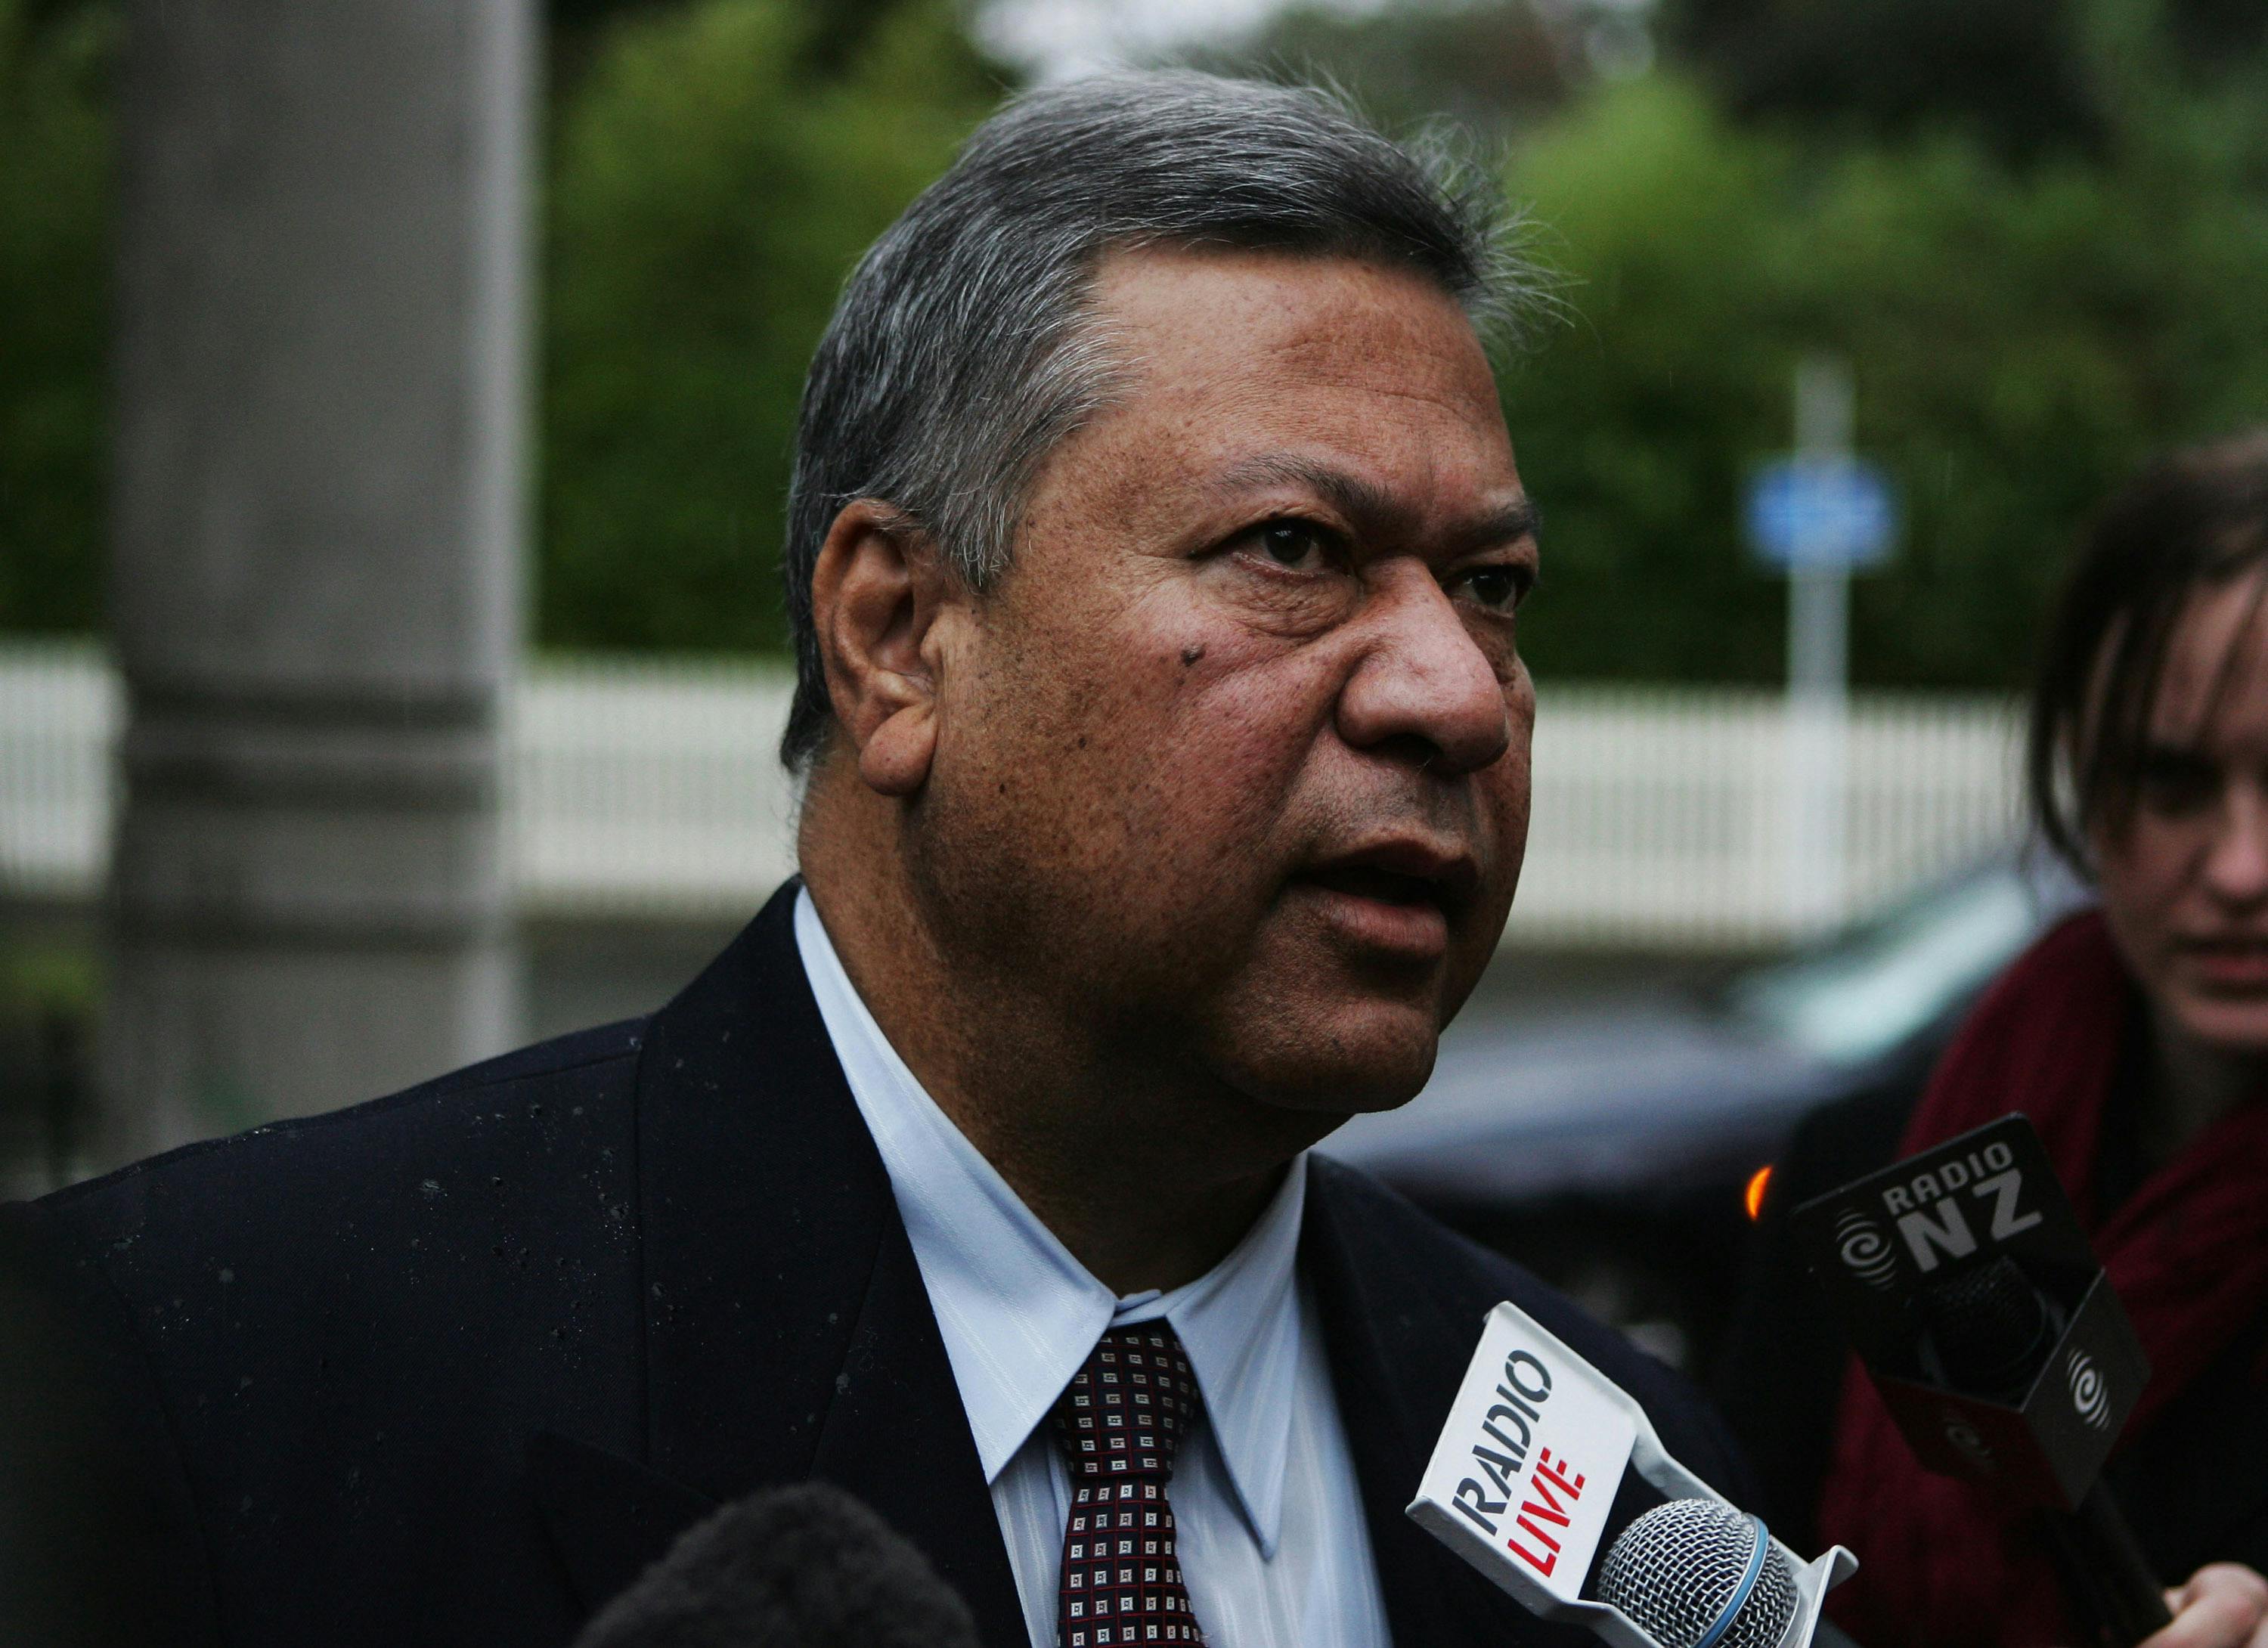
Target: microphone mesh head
<point>1674,1568</point>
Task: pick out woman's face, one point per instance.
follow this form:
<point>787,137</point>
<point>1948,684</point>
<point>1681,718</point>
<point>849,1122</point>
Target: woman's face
<point>2185,885</point>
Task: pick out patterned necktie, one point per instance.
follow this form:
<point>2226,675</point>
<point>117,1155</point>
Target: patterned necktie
<point>1121,1422</point>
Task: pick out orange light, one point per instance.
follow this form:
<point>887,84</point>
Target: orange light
<point>1754,1194</point>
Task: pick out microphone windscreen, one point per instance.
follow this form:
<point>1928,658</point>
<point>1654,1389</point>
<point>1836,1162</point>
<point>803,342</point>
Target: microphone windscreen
<point>1678,1571</point>
<point>1990,1327</point>
<point>805,1566</point>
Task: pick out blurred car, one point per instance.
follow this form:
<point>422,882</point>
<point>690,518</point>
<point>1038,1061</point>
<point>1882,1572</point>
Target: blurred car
<point>1611,1149</point>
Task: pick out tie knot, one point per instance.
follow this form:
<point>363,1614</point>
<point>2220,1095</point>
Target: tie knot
<point>1126,1409</point>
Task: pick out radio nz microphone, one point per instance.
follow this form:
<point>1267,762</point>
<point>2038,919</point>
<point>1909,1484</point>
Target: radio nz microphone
<point>1523,1479</point>
<point>1962,1278</point>
<point>805,1566</point>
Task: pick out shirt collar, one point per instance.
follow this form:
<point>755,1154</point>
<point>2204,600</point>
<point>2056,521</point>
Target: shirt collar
<point>1019,1313</point>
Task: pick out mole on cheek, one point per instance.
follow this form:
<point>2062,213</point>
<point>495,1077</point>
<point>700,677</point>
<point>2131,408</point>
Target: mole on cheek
<point>1190,655</point>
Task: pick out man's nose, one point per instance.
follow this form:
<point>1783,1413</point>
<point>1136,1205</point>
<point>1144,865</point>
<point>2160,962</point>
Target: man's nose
<point>2236,860</point>
<point>1424,682</point>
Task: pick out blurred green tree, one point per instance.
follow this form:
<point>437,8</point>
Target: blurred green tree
<point>715,167</point>
<point>55,64</point>
<point>2023,75</point>
<point>2025,323</point>
<point>718,167</point>
<point>2020,340</point>
<point>1491,65</point>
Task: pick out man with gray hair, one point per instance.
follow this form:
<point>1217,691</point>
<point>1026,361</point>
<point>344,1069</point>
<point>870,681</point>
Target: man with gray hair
<point>1154,556</point>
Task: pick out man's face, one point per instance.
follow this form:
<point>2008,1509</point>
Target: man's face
<point>1231,768</point>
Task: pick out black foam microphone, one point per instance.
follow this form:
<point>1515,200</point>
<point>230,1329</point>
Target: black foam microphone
<point>805,1566</point>
<point>1997,1342</point>
<point>1989,1330</point>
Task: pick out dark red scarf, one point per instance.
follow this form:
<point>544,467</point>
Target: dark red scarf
<point>1941,1566</point>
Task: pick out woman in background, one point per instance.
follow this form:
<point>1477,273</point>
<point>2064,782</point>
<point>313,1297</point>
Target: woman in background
<point>2135,1037</point>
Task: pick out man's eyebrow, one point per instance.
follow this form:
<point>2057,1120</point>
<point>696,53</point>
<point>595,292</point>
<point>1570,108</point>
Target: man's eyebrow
<point>1508,523</point>
<point>1371,507</point>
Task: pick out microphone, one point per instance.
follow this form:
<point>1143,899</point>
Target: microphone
<point>1696,1573</point>
<point>804,1566</point>
<point>1988,1331</point>
<point>1963,1279</point>
<point>1538,1448</point>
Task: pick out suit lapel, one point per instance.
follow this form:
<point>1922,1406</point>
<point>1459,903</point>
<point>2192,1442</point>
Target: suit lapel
<point>1398,1346</point>
<point>787,1332</point>
<point>897,1438</point>
<point>762,1205</point>
<point>608,1517</point>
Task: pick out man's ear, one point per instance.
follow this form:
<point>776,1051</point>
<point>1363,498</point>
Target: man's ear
<point>877,590</point>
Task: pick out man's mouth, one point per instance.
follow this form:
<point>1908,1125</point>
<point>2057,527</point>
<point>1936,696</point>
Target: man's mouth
<point>1396,897</point>
<point>1387,887</point>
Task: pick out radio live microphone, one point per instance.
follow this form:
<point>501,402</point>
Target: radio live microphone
<point>1694,1570</point>
<point>805,1566</point>
<point>1964,1281</point>
<point>1524,1478</point>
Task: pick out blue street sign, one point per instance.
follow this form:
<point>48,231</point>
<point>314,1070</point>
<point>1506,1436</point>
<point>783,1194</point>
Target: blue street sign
<point>1822,511</point>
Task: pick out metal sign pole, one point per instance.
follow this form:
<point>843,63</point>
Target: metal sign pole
<point>1818,674</point>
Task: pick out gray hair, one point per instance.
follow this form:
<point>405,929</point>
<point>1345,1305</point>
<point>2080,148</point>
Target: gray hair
<point>963,350</point>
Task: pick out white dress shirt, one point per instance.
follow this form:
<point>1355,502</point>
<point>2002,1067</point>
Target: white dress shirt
<point>1268,1513</point>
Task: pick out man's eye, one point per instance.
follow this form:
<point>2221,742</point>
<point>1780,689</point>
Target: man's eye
<point>1495,587</point>
<point>1294,543</point>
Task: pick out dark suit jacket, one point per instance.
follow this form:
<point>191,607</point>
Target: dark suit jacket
<point>452,1366</point>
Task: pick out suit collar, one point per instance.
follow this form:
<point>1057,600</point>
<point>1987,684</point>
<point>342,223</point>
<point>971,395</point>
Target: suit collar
<point>1018,1312</point>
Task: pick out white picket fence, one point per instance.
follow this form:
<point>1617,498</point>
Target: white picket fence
<point>650,789</point>
<point>1662,816</point>
<point>59,713</point>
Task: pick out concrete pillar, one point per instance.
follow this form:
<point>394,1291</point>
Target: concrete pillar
<point>321,376</point>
